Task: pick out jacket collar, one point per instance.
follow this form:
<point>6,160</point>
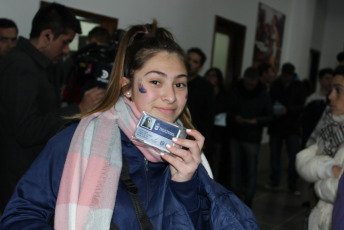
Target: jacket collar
<point>40,58</point>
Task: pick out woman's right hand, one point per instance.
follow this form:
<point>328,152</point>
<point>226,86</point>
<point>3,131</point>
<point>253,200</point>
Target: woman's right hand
<point>336,171</point>
<point>185,162</point>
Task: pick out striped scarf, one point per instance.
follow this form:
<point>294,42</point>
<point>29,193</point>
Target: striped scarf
<point>90,178</point>
<point>332,134</point>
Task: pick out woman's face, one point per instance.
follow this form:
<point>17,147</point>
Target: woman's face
<point>160,87</point>
<point>212,77</point>
<point>337,95</point>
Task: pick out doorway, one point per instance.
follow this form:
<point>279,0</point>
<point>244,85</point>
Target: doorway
<point>313,68</point>
<point>228,48</point>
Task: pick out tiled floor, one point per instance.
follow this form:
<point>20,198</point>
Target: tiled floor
<point>279,210</point>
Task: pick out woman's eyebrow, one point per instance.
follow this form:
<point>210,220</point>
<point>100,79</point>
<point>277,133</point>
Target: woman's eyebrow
<point>156,72</point>
<point>338,85</point>
<point>163,74</point>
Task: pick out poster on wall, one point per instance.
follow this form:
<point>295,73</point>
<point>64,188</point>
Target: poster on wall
<point>269,37</point>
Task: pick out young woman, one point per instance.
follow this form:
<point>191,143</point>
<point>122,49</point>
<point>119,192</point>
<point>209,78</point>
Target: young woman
<point>322,163</point>
<point>78,176</point>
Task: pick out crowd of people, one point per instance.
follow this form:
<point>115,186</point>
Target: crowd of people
<point>294,118</point>
<point>69,160</point>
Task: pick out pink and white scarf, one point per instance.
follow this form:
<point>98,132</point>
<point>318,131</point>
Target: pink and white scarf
<point>89,182</point>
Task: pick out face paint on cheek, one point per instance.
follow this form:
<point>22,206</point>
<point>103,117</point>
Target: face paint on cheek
<point>141,88</point>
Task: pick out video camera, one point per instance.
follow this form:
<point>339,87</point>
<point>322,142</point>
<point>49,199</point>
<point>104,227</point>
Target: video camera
<point>92,66</point>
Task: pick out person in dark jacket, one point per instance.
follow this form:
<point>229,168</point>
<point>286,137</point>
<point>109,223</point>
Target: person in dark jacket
<point>201,98</point>
<point>248,112</point>
<point>8,36</point>
<point>288,97</point>
<point>218,139</point>
<point>30,109</point>
<point>94,175</point>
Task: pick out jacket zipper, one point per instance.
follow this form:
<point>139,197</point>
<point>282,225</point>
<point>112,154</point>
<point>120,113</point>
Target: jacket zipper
<point>147,180</point>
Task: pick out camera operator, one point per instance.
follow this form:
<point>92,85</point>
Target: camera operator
<point>99,35</point>
<point>91,65</point>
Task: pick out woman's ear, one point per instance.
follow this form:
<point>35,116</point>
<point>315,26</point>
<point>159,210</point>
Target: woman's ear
<point>125,83</point>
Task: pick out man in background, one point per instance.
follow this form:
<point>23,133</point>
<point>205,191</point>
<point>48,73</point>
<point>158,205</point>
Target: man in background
<point>340,58</point>
<point>266,74</point>
<point>201,98</point>
<point>325,76</point>
<point>249,110</point>
<point>315,104</point>
<point>8,36</point>
<point>83,66</point>
<point>287,96</point>
<point>30,93</point>
<point>99,35</point>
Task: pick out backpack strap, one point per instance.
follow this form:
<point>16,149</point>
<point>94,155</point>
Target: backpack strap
<point>132,189</point>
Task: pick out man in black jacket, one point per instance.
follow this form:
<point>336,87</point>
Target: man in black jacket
<point>288,97</point>
<point>8,36</point>
<point>201,98</point>
<point>249,111</point>
<point>30,110</point>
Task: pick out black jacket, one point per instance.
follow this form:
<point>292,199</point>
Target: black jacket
<point>201,102</point>
<point>30,111</point>
<point>292,96</point>
<point>255,104</point>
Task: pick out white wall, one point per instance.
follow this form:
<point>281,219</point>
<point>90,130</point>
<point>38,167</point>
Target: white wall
<point>319,24</point>
<point>299,36</point>
<point>192,22</point>
<point>333,35</point>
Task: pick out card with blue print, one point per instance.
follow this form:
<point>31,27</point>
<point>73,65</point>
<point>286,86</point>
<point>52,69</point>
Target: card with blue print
<point>157,133</point>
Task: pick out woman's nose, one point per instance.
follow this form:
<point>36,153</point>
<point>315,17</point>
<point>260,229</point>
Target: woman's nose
<point>169,94</point>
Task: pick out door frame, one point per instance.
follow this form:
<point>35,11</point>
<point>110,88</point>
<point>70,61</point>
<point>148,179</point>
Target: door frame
<point>235,53</point>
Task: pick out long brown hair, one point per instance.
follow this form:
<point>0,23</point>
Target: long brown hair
<point>138,45</point>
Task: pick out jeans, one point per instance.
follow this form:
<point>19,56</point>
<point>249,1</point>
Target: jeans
<point>293,144</point>
<point>243,167</point>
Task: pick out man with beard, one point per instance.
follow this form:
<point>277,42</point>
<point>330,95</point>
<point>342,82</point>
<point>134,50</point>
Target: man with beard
<point>30,109</point>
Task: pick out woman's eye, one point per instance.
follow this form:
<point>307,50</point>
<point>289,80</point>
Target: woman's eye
<point>338,90</point>
<point>180,85</point>
<point>154,82</point>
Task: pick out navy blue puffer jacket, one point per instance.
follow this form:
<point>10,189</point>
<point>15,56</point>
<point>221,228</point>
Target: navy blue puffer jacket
<point>200,203</point>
